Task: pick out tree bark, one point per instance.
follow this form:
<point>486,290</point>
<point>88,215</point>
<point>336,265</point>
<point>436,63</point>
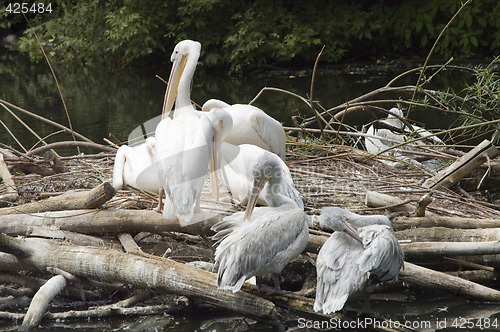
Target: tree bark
<point>442,234</point>
<point>437,280</point>
<point>462,167</point>
<point>106,221</point>
<point>41,300</point>
<point>69,201</point>
<point>401,223</point>
<point>144,271</point>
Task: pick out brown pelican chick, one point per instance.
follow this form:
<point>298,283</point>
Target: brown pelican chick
<point>361,248</point>
<point>261,240</point>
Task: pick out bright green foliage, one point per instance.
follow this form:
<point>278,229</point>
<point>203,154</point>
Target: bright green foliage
<point>243,35</point>
<point>480,102</point>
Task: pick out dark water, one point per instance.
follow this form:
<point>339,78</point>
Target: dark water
<point>111,104</point>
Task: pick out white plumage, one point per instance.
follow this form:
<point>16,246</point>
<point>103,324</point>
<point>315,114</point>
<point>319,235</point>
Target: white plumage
<point>134,167</point>
<point>237,163</point>
<point>251,125</point>
<point>383,138</point>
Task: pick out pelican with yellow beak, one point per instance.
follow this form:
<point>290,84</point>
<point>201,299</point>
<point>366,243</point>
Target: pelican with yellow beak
<point>184,143</point>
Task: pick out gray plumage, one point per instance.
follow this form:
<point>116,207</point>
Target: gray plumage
<point>261,240</point>
<point>344,265</point>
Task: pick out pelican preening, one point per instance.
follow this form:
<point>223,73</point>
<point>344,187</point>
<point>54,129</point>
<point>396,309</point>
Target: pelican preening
<point>361,248</point>
<point>261,240</point>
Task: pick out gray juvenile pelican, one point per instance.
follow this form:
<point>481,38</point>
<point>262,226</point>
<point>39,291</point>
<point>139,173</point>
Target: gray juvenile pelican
<point>251,125</point>
<point>361,248</point>
<point>262,240</point>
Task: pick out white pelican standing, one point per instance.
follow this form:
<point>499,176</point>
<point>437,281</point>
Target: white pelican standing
<point>251,125</point>
<point>237,163</point>
<point>262,240</point>
<point>361,248</point>
<point>183,144</point>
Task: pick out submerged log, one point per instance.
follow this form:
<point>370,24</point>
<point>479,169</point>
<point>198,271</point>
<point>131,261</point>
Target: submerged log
<point>438,280</point>
<point>91,199</point>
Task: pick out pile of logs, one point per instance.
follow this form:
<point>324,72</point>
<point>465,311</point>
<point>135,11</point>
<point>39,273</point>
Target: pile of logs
<point>78,246</point>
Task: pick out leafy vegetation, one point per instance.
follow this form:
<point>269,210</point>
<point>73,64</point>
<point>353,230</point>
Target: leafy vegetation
<point>243,35</point>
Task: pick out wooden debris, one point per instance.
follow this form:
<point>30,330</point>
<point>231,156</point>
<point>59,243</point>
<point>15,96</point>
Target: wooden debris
<point>437,280</point>
<point>150,272</point>
<point>401,222</point>
<point>41,300</point>
<point>69,201</point>
<point>105,221</point>
<point>463,166</point>
<point>451,248</point>
<point>8,181</point>
<point>422,204</point>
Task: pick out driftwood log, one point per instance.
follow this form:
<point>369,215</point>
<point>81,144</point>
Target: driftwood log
<point>144,271</point>
<point>401,223</point>
<point>462,166</point>
<point>91,199</point>
<point>105,221</point>
<point>428,278</point>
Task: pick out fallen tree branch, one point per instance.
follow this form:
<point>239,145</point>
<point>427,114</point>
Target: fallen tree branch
<point>145,271</point>
<point>401,223</point>
<point>68,201</point>
<point>428,278</point>
<point>41,301</point>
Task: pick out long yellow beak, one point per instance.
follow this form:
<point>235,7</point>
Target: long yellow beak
<point>214,165</point>
<point>172,85</point>
<point>258,185</point>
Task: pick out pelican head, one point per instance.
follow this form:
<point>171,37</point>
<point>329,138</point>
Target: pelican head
<point>184,60</point>
<point>393,118</point>
<point>331,218</point>
<point>266,170</point>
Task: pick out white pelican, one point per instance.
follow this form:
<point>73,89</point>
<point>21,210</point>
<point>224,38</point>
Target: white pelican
<point>251,125</point>
<point>260,240</point>
<point>361,248</point>
<point>183,144</point>
<point>237,163</point>
<point>384,138</point>
<point>134,167</point>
